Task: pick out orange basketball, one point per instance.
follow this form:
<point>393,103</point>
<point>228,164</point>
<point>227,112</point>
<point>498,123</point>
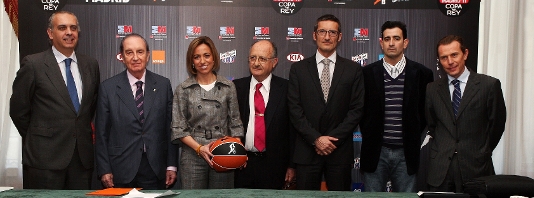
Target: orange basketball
<point>228,154</point>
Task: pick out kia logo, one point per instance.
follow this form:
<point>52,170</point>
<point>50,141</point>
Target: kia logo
<point>295,57</point>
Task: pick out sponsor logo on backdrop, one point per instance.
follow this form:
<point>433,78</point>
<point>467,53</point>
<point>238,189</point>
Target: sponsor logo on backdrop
<point>192,32</point>
<point>453,8</point>
<point>119,56</point>
<point>287,7</point>
<point>107,1</point>
<point>361,35</point>
<point>361,59</point>
<point>383,2</point>
<point>380,56</point>
<point>123,30</point>
<point>158,56</point>
<point>228,57</point>
<point>226,33</point>
<point>261,33</point>
<point>294,34</point>
<point>357,136</point>
<point>52,5</point>
<point>159,32</point>
<point>339,2</point>
<point>295,57</point>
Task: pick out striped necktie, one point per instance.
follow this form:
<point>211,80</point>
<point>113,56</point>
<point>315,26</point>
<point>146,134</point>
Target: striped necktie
<point>456,97</point>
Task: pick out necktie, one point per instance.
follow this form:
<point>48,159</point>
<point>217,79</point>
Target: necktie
<point>71,85</point>
<point>259,119</point>
<point>325,78</point>
<point>139,100</point>
<point>456,97</point>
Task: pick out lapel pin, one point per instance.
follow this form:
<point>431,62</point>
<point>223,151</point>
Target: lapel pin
<point>154,90</point>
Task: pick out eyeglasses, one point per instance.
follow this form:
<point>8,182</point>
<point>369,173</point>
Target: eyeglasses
<point>261,59</point>
<point>331,33</point>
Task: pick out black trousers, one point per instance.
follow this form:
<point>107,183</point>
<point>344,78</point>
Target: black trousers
<point>74,177</point>
<point>337,176</point>
<point>259,174</point>
<point>145,178</point>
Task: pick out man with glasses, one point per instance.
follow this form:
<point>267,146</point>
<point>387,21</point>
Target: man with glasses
<point>325,100</point>
<point>263,108</point>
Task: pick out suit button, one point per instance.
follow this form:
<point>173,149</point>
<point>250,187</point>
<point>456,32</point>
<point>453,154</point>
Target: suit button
<point>216,127</point>
<point>199,106</point>
<point>141,149</point>
<point>198,127</point>
<point>218,106</point>
<point>457,141</point>
<point>450,158</point>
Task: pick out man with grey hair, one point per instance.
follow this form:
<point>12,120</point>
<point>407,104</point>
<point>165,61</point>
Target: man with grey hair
<point>52,106</point>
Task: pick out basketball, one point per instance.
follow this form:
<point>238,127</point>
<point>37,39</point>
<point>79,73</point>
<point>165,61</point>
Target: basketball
<point>228,154</point>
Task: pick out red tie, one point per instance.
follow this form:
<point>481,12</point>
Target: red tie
<point>259,121</point>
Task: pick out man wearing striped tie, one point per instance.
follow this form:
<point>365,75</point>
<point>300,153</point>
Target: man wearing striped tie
<point>394,114</point>
<point>466,116</point>
<point>133,118</point>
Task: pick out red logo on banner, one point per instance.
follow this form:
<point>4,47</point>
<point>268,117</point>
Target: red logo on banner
<point>454,1</point>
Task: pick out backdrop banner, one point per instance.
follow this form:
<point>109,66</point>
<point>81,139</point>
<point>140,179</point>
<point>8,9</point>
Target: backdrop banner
<point>234,25</point>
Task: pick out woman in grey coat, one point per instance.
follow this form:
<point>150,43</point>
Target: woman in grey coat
<point>204,109</point>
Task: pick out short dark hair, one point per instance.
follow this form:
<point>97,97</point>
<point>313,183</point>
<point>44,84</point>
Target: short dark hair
<point>394,24</point>
<point>448,40</point>
<point>51,26</point>
<point>191,49</point>
<point>327,17</point>
<point>132,35</point>
<point>275,49</point>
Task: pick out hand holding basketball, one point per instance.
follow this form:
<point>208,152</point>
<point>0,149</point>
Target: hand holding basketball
<point>228,154</point>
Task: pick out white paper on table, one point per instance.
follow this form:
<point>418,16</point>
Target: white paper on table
<point>134,193</point>
<point>4,188</point>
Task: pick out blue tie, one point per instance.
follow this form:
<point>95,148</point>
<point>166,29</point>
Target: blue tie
<point>456,97</point>
<point>71,85</point>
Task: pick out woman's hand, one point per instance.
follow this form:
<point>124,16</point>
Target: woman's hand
<point>205,153</point>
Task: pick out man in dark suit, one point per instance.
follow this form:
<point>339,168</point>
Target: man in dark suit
<point>466,115</point>
<point>325,99</point>
<point>393,114</point>
<point>133,119</point>
<point>269,167</point>
<point>52,108</point>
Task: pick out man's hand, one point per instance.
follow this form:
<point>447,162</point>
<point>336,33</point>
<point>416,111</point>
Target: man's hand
<point>170,178</point>
<point>107,180</point>
<point>290,174</point>
<point>324,145</point>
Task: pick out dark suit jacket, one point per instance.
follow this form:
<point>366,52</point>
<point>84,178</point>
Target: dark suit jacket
<point>474,134</point>
<point>417,76</point>
<point>312,118</point>
<point>44,115</point>
<point>277,124</point>
<point>119,134</point>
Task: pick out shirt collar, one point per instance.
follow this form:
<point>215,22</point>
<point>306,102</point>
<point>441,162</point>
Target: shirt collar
<point>266,83</point>
<point>462,78</point>
<point>319,57</point>
<point>399,65</point>
<point>60,57</point>
<point>133,79</point>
